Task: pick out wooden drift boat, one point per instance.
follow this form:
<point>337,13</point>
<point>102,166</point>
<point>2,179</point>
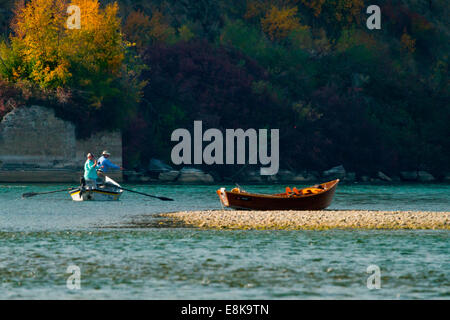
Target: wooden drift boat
<point>109,191</point>
<point>317,197</point>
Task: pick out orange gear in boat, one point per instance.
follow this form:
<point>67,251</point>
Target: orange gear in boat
<point>311,190</point>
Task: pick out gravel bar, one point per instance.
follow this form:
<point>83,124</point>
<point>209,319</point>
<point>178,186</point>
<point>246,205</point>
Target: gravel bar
<point>311,220</point>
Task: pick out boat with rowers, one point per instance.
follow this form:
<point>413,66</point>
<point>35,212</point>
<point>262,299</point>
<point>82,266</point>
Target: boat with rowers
<point>107,191</point>
<point>316,197</point>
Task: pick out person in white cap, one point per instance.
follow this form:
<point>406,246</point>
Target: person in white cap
<point>107,165</point>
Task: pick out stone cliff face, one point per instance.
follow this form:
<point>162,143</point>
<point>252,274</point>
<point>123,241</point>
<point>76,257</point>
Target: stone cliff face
<point>34,141</point>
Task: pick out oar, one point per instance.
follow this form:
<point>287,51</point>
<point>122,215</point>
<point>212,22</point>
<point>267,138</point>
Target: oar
<point>32,194</point>
<point>148,195</point>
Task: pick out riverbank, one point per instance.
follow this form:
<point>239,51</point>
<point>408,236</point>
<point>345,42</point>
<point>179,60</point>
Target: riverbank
<point>311,220</point>
<point>159,171</point>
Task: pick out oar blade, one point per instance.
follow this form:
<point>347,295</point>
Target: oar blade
<point>165,199</point>
<point>29,194</point>
<point>148,195</point>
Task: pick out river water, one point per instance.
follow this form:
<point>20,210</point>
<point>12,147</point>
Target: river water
<point>122,253</point>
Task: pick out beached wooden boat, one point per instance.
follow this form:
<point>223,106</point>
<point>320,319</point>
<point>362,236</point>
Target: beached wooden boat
<point>109,191</point>
<point>313,198</point>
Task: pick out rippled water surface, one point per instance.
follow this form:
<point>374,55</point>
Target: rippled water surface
<point>123,254</point>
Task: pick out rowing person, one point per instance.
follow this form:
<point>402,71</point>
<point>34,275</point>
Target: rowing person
<point>90,171</point>
<point>106,165</point>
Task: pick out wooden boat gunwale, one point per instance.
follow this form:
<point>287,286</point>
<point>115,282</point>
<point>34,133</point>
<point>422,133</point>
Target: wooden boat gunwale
<point>332,184</point>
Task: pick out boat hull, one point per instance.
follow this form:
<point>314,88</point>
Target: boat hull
<point>250,201</point>
<point>95,195</point>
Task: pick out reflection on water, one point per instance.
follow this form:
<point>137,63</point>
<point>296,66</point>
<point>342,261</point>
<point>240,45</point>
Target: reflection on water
<point>122,255</point>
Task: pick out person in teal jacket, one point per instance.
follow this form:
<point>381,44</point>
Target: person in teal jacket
<point>90,171</point>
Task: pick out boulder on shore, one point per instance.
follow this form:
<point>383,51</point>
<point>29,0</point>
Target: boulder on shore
<point>350,177</point>
<point>384,177</point>
<point>146,179</point>
<point>446,177</point>
<point>253,176</point>
<point>408,175</point>
<point>156,165</point>
<point>305,176</point>
<point>424,176</point>
<point>335,173</point>
<point>132,176</point>
<point>285,175</point>
<point>288,176</point>
<point>192,175</point>
<point>168,176</point>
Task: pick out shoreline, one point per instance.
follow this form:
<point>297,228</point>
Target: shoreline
<point>310,220</point>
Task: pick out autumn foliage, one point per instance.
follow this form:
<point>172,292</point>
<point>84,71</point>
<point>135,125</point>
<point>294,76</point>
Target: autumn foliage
<point>278,23</point>
<point>339,92</point>
<point>49,53</point>
<point>194,80</point>
<point>143,30</point>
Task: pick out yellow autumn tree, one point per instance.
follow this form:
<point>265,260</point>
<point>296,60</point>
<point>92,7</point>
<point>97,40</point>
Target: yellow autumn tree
<point>38,39</point>
<point>51,53</point>
<point>278,23</point>
<point>98,45</point>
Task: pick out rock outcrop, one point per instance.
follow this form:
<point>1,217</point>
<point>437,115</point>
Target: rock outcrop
<point>168,176</point>
<point>350,177</point>
<point>192,175</point>
<point>446,177</point>
<point>408,175</point>
<point>37,146</point>
<point>335,173</point>
<point>424,176</point>
<point>156,165</point>
<point>384,177</point>
<point>305,176</point>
